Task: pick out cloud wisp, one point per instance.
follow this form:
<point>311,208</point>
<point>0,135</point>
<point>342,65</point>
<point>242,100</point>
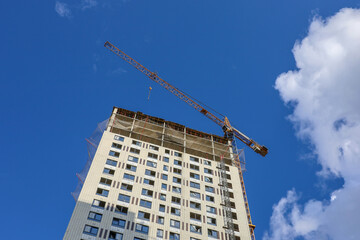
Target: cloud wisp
<point>86,4</point>
<point>62,9</point>
<point>325,93</point>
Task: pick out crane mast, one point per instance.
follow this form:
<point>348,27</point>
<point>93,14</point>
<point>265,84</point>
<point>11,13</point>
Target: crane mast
<point>224,124</point>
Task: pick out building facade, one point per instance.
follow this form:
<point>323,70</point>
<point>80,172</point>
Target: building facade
<point>156,179</point>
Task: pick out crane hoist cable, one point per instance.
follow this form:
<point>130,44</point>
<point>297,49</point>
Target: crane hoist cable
<point>222,121</point>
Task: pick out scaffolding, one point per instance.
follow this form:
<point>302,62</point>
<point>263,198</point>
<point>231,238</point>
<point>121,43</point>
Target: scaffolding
<point>238,159</point>
<point>92,144</point>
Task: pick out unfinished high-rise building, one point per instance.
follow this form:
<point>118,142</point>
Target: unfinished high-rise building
<point>154,179</point>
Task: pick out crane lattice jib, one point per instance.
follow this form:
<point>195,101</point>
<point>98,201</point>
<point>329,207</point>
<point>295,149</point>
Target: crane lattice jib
<point>153,76</point>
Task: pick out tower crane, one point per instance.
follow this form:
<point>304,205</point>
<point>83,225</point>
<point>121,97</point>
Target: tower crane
<point>224,123</point>
<point>230,133</point>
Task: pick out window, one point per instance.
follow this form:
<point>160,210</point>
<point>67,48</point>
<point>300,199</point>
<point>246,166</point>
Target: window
<point>129,176</point>
<point>137,143</point>
<point>194,167</point>
<point>177,154</point>
<point>121,209</point>
<point>161,208</point>
<point>176,200</point>
<point>176,189</point>
<point>211,220</point>
<point>159,233</point>
<point>105,181</point>
<point>130,167</point>
<point>195,229</point>
<point>102,192</point>
<point>164,186</point>
<point>177,180</point>
<point>210,198</point>
<point>91,230</point>
<point>98,204</point>
<point>208,179</point>
<point>116,145</point>
<point>166,159</point>
<point>133,159</point>
<point>151,164</point>
<point>145,203</point>
<point>194,159</point>
<point>109,171</point>
<point>164,176</point>
<point>177,171</point>
<point>167,151</point>
<point>206,162</point>
<point>115,236</point>
<point>150,173</point>
<point>114,154</point>
<point>195,194</point>
<point>231,194</point>
<point>194,175</point>
<point>166,168</point>
<point>160,220</point>
<point>191,238</point>
<point>147,192</point>
<point>209,189</point>
<point>177,162</point>
<point>175,211</point>
<point>213,233</point>
<point>174,236</point>
<point>111,162</point>
<point>208,171</point>
<point>135,150</point>
<point>144,216</point>
<point>152,147</point>
<point>126,187</point>
<point>194,185</point>
<point>118,138</point>
<point>210,209</point>
<point>195,216</point>
<point>236,227</point>
<point>195,205</point>
<point>174,223</point>
<point>95,216</point>
<point>152,155</point>
<point>124,198</point>
<point>149,182</point>
<point>118,222</point>
<point>137,238</point>
<point>163,196</point>
<point>142,228</point>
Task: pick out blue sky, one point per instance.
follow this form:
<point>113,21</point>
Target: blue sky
<point>58,82</point>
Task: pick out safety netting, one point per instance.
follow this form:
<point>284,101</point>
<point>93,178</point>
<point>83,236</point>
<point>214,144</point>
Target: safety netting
<point>241,156</point>
<point>92,144</point>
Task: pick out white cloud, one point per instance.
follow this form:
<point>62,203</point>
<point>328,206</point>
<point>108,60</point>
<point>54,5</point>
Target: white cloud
<point>62,9</point>
<point>326,93</point>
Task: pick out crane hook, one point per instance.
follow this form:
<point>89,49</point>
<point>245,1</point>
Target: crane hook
<point>150,88</point>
